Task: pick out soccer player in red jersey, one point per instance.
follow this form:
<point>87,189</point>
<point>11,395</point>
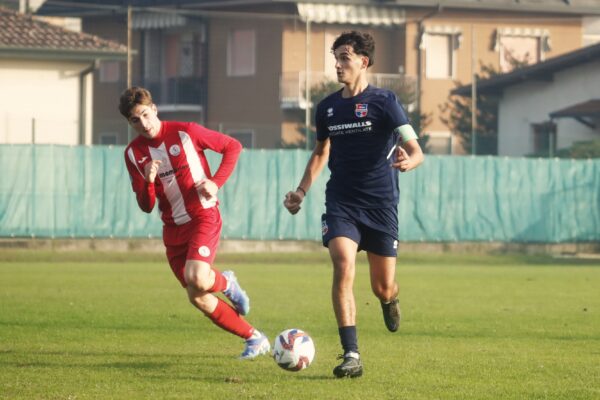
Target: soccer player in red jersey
<point>166,161</point>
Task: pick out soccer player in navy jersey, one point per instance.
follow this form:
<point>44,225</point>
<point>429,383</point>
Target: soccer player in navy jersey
<point>166,162</point>
<point>365,136</point>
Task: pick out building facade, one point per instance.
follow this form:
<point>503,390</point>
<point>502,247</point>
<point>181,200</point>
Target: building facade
<point>46,80</point>
<point>242,67</point>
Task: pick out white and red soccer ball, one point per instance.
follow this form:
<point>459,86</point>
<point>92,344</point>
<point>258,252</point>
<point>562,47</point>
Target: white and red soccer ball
<point>293,350</point>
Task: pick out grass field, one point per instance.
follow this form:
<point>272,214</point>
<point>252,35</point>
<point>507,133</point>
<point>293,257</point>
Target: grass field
<point>118,326</point>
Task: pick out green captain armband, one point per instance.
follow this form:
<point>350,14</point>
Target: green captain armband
<point>406,133</point>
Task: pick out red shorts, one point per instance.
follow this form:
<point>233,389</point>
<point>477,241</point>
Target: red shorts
<point>195,240</point>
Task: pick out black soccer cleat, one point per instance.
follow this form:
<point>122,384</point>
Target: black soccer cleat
<point>351,367</point>
<point>391,314</point>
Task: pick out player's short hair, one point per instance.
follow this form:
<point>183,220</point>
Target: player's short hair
<point>132,97</point>
<point>362,43</point>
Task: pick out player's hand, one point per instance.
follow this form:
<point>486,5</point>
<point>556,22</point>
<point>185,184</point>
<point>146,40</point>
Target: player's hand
<point>292,201</point>
<point>403,161</point>
<point>207,188</point>
<point>151,170</point>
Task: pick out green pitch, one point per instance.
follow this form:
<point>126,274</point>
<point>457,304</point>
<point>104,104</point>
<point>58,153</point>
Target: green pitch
<point>114,326</point>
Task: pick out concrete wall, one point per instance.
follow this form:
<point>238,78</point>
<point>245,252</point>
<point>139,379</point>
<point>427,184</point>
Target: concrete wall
<point>47,92</point>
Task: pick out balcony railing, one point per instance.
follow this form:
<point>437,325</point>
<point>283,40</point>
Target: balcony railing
<point>176,91</point>
<point>292,86</point>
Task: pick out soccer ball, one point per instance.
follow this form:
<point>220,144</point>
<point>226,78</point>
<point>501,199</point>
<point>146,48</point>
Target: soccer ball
<point>293,350</point>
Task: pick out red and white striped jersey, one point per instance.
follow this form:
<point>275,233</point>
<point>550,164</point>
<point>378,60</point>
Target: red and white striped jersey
<point>180,147</point>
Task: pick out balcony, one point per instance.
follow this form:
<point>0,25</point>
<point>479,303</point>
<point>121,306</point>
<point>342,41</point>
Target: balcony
<point>292,86</point>
<point>177,94</point>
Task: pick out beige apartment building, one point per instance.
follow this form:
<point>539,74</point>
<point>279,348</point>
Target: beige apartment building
<point>242,67</point>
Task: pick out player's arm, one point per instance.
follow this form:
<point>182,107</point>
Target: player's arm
<point>315,165</point>
<point>142,181</point>
<point>230,150</point>
<point>409,154</point>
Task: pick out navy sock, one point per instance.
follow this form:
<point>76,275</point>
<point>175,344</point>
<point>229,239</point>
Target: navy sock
<point>348,338</point>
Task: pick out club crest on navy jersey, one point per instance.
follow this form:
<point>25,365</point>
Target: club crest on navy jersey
<point>361,110</point>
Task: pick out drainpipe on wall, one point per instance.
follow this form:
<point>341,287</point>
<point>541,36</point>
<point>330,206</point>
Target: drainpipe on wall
<point>307,85</point>
<point>129,60</point>
<point>83,93</point>
<point>419,51</point>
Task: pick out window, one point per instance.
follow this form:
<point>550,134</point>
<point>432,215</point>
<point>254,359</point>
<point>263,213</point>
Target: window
<point>110,71</point>
<point>440,44</point>
<point>172,66</point>
<point>186,55</point>
<point>245,137</point>
<point>591,30</point>
<point>544,139</point>
<point>241,53</point>
<point>521,46</point>
<point>153,60</point>
<point>515,51</point>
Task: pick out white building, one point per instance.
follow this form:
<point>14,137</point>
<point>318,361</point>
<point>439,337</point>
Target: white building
<point>46,80</point>
<point>547,106</point>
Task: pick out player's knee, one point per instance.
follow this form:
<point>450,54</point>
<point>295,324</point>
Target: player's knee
<point>343,268</point>
<point>197,276</point>
<point>384,291</point>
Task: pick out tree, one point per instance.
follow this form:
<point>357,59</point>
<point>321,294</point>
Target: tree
<point>459,115</point>
<point>584,149</point>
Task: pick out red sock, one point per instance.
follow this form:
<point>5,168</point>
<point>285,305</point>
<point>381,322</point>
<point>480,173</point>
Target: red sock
<point>228,319</point>
<point>220,282</point>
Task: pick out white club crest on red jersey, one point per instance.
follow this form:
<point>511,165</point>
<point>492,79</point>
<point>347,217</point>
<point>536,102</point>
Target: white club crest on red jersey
<point>204,251</point>
<point>174,150</point>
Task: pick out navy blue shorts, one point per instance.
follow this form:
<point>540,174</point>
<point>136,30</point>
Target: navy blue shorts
<point>374,230</point>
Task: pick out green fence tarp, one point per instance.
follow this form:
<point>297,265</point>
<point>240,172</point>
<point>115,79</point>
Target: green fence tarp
<point>81,192</point>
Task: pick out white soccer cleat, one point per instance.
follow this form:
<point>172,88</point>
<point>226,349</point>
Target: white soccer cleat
<point>256,347</point>
<point>236,294</point>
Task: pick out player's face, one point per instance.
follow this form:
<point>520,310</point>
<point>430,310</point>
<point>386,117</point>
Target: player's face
<point>349,66</point>
<point>144,120</point>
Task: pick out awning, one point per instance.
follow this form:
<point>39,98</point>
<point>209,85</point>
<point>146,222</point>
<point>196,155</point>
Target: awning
<point>454,31</point>
<point>590,108</point>
<point>351,14</point>
<point>543,34</point>
<point>145,20</point>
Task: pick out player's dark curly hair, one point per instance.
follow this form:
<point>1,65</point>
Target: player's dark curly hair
<point>132,97</point>
<point>362,43</point>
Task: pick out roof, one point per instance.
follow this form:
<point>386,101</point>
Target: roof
<point>541,71</point>
<point>590,108</point>
<point>27,36</point>
<point>578,7</point>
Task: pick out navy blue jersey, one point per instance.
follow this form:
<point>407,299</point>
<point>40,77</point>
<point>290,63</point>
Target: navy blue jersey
<point>361,132</point>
